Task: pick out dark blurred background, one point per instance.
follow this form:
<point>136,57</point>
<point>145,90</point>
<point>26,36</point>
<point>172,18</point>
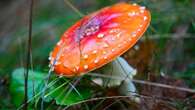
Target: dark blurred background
<point>167,48</point>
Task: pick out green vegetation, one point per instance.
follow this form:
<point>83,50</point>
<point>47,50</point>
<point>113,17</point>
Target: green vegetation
<point>166,55</point>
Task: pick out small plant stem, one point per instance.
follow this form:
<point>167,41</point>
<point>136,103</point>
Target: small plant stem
<point>28,57</point>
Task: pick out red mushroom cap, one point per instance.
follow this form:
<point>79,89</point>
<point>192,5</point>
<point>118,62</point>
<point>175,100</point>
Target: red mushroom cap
<point>98,38</point>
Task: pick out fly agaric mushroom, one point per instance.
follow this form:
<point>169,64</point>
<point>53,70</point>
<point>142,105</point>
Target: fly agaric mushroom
<point>99,38</point>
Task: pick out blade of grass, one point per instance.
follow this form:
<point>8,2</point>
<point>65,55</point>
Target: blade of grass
<point>28,56</point>
<point>74,8</point>
<point>38,94</point>
<point>146,83</point>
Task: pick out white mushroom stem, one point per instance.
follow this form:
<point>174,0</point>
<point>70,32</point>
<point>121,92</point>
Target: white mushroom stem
<point>122,70</point>
<point>122,73</point>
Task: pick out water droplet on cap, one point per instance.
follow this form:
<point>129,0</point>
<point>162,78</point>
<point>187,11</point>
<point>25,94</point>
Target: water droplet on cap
<point>85,66</point>
<point>100,35</point>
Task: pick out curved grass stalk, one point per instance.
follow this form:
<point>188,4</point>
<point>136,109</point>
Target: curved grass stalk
<point>87,108</point>
<point>116,97</point>
<point>55,89</point>
<point>49,74</point>
<point>70,90</point>
<point>38,94</point>
<point>146,83</point>
<point>67,87</point>
<point>74,8</point>
<point>116,101</point>
<point>96,106</point>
